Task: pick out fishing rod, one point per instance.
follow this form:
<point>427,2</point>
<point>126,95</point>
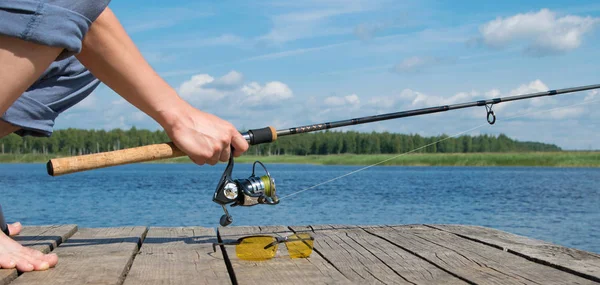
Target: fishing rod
<point>255,189</point>
<point>268,134</point>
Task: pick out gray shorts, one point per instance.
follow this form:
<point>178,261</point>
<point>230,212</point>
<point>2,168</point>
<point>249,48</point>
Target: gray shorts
<point>57,23</point>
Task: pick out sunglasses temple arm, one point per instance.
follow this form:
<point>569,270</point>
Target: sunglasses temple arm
<point>214,244</point>
<point>277,241</point>
<point>286,239</point>
<point>300,239</point>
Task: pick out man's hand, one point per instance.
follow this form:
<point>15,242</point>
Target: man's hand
<point>205,138</point>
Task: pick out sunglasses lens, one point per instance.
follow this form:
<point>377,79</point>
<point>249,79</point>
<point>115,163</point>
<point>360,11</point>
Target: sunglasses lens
<point>299,245</point>
<point>253,248</point>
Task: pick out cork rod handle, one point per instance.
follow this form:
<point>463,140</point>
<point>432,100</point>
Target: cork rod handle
<point>66,165</point>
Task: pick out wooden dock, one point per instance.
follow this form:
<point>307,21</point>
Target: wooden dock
<point>408,254</point>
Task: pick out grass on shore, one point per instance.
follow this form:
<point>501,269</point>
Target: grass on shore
<point>547,159</point>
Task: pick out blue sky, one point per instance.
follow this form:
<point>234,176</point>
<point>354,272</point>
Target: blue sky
<point>289,63</point>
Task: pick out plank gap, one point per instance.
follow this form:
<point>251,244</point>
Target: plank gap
<point>136,253</point>
<point>321,254</point>
<point>228,264</point>
<point>422,257</point>
<point>387,265</point>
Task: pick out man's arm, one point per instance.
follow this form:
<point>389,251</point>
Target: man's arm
<point>111,55</point>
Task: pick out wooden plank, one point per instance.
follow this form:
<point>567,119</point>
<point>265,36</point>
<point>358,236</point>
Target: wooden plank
<point>472,261</point>
<point>179,256</point>
<point>281,269</point>
<point>582,263</point>
<point>42,238</point>
<point>367,259</point>
<point>91,256</point>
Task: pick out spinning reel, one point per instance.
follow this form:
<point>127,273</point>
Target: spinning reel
<point>249,191</point>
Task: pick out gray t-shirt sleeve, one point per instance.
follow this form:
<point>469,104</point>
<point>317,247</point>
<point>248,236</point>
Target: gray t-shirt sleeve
<point>57,23</point>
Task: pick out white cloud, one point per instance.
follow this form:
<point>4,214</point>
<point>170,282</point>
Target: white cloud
<point>345,101</point>
<point>533,87</point>
<point>229,81</point>
<point>542,32</point>
<point>415,99</point>
<point>270,93</point>
<point>203,88</point>
<point>195,91</point>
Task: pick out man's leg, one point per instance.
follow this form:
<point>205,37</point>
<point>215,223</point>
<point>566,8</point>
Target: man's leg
<point>22,64</point>
<point>7,129</point>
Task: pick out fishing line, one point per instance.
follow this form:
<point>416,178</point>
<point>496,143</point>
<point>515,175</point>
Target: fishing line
<point>430,144</point>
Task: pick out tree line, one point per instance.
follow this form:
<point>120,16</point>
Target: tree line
<point>78,142</point>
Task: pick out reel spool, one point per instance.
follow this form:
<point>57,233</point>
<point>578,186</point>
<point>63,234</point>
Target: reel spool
<point>247,192</point>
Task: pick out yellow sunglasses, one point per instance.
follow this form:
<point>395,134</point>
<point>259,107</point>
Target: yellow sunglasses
<point>262,247</point>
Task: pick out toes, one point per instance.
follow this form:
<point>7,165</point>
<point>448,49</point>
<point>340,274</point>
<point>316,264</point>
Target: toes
<point>39,260</point>
<point>15,228</point>
<point>23,265</point>
<point>7,262</point>
<point>31,263</point>
<point>51,258</point>
<point>41,265</point>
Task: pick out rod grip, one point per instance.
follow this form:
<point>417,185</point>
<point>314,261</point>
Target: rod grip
<point>264,135</point>
<point>66,165</point>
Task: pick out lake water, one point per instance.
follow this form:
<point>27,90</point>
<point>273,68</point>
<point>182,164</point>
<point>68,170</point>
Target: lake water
<point>560,205</point>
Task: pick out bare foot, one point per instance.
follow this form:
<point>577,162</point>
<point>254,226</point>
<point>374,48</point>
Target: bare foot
<point>14,255</point>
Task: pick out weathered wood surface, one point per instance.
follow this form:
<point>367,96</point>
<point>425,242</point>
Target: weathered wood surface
<point>178,256</point>
<point>281,269</point>
<point>91,256</point>
<point>44,239</point>
<point>367,259</point>
<point>470,260</point>
<point>575,261</point>
<point>410,254</point>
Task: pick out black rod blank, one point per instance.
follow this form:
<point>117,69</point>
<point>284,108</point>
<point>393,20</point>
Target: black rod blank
<point>430,110</point>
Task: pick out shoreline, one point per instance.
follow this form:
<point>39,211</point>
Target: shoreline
<point>527,159</point>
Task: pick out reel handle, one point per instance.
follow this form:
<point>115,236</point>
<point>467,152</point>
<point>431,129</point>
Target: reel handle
<point>66,165</point>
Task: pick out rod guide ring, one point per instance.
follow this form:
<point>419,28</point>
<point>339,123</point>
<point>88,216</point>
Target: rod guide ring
<point>491,117</point>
